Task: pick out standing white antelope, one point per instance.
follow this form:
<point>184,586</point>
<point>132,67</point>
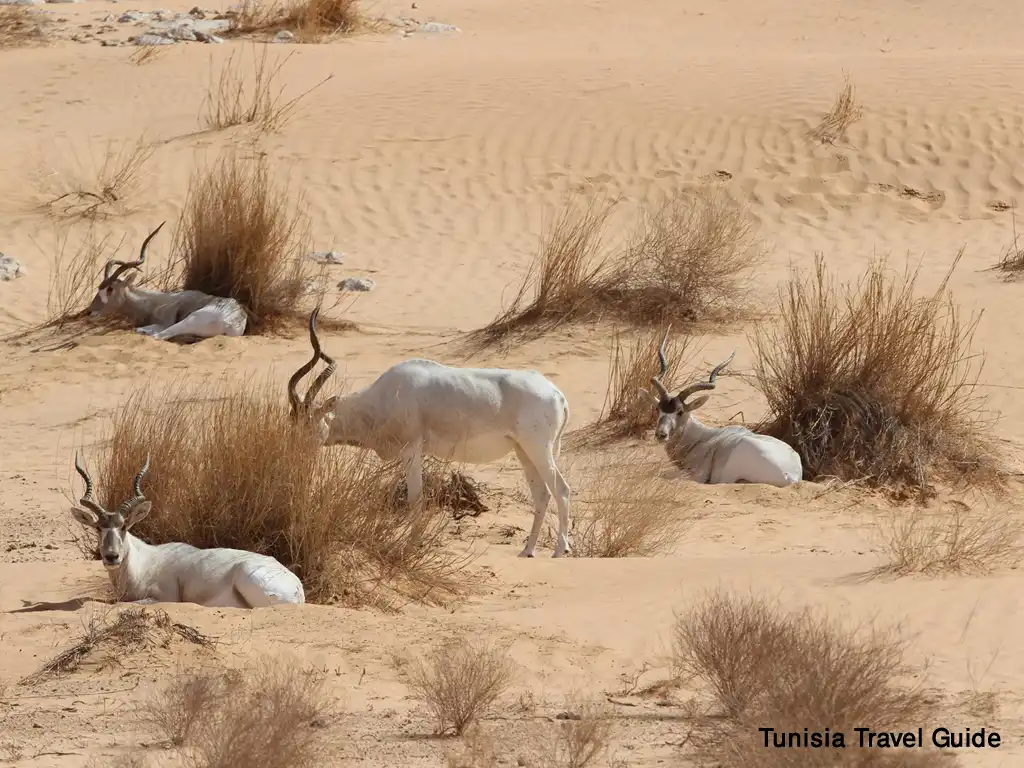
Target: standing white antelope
<point>176,572</point>
<point>732,454</point>
<point>164,316</point>
<point>472,415</point>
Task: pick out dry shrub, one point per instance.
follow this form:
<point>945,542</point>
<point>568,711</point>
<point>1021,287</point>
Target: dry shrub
<point>628,509</point>
<point>769,668</point>
<point>112,635</point>
<point>869,381</point>
<point>447,488</point>
<point>270,716</point>
<point>97,189</point>
<point>687,262</point>
<point>627,412</point>
<point>459,680</point>
<point>582,736</point>
<point>147,54</point>
<point>953,540</point>
<point>844,113</point>
<point>20,26</point>
<point>240,97</point>
<point>1012,260</point>
<point>230,469</point>
<point>240,236</point>
<point>311,21</point>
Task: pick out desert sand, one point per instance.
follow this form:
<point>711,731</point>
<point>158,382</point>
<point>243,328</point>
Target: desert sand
<point>432,162</point>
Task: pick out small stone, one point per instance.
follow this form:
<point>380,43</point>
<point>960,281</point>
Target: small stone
<point>130,16</point>
<point>153,40</point>
<point>10,268</point>
<point>357,284</point>
<point>284,36</point>
<point>197,13</point>
<point>436,27</point>
<point>327,257</point>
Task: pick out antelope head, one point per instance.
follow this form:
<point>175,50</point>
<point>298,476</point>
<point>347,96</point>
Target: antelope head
<point>674,410</point>
<point>110,296</point>
<point>111,527</point>
<point>305,409</point>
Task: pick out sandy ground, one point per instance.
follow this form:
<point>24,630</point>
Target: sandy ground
<point>432,161</point>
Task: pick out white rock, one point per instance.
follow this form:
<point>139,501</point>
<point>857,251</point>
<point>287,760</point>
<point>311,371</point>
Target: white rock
<point>153,40</point>
<point>436,27</point>
<point>327,257</point>
<point>182,32</point>
<point>357,284</point>
<point>10,268</point>
<point>284,36</point>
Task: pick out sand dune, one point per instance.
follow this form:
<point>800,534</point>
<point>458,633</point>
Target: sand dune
<point>433,162</point>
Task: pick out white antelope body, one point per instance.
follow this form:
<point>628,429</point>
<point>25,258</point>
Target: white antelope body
<point>467,415</point>
<point>165,316</point>
<point>732,454</point>
<point>176,572</point>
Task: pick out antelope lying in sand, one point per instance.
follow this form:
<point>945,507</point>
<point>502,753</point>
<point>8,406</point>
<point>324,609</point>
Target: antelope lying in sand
<point>471,415</point>
<point>179,573</point>
<point>731,454</point>
<point>164,315</point>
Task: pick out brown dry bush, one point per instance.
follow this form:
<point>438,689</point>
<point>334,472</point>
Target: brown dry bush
<point>312,21</point>
<point>1012,260</point>
<point>582,736</point>
<point>96,190</point>
<point>270,716</point>
<point>628,509</point>
<point>240,97</point>
<point>953,540</point>
<point>844,113</point>
<point>459,680</point>
<point>21,25</point>
<point>869,381</point>
<point>626,412</point>
<point>147,54</point>
<point>240,236</point>
<point>230,469</point>
<point>765,667</point>
<point>114,634</point>
<point>688,262</point>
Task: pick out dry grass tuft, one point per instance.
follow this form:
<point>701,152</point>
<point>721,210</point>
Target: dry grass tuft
<point>76,275</point>
<point>271,716</point>
<point>628,508</point>
<point>447,488</point>
<point>100,190</point>
<point>582,736</point>
<point>1012,260</point>
<point>108,640</point>
<point>240,236</point>
<point>311,21</point>
<point>954,540</point>
<point>627,412</point>
<point>230,469</point>
<point>768,668</point>
<point>844,113</point>
<point>240,97</point>
<point>20,26</point>
<point>871,382</point>
<point>147,54</point>
<point>459,680</point>
<point>688,262</point>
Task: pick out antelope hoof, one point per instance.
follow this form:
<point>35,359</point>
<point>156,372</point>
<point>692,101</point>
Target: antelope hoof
<point>526,553</point>
<point>564,553</point>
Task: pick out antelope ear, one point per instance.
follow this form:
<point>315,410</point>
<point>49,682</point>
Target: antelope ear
<point>653,399</point>
<point>86,517</point>
<point>130,280</point>
<point>693,405</point>
<point>137,513</point>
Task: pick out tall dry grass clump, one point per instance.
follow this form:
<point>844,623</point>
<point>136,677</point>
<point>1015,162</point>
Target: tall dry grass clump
<point>230,469</point>
<point>1011,263</point>
<point>20,26</point>
<point>272,715</point>
<point>311,21</point>
<point>250,95</point>
<point>240,236</point>
<point>763,667</point>
<point>687,262</point>
<point>845,112</point>
<point>459,680</point>
<point>625,508</point>
<point>957,539</point>
<point>869,381</point>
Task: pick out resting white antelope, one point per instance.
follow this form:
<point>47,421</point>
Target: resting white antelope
<point>471,415</point>
<point>730,454</point>
<point>175,572</point>
<point>162,315</point>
